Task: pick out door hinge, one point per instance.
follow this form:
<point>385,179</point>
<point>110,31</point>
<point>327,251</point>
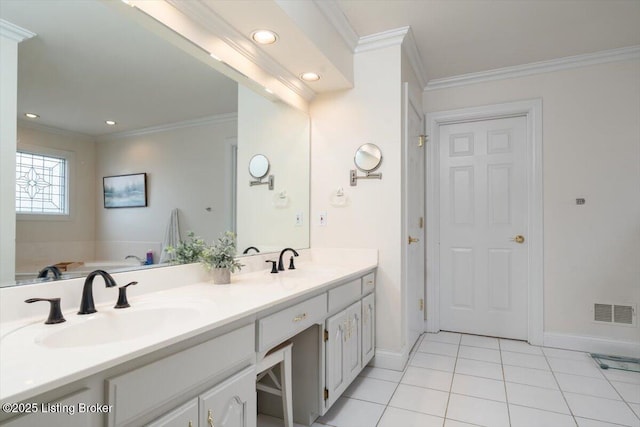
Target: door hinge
<point>326,394</point>
<point>422,139</point>
<point>421,304</point>
<point>421,222</point>
<point>326,335</point>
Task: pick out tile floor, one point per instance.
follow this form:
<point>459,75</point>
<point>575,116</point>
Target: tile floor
<point>457,380</point>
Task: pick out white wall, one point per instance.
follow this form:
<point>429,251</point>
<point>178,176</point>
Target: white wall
<point>281,133</point>
<point>591,144</point>
<point>43,240</point>
<point>187,168</point>
<point>341,122</point>
<point>8,112</point>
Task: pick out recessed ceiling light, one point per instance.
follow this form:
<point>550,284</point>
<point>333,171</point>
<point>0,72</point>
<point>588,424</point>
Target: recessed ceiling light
<point>31,115</point>
<point>215,57</point>
<point>110,122</point>
<point>264,36</point>
<point>310,76</point>
<point>266,89</point>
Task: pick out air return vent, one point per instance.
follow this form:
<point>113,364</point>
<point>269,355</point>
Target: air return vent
<point>603,312</point>
<point>613,313</point>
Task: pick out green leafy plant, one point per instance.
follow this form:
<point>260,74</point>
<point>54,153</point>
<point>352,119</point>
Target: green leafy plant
<point>187,251</point>
<point>222,253</point>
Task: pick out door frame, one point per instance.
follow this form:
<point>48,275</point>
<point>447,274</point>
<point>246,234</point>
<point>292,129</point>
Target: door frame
<point>409,102</point>
<point>532,111</point>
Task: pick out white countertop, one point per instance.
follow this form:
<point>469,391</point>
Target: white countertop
<point>29,368</point>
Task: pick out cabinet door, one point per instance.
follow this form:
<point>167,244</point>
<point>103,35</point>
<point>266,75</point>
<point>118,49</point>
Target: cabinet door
<point>231,403</point>
<point>368,328</point>
<point>335,381</point>
<point>353,350</point>
<point>183,416</point>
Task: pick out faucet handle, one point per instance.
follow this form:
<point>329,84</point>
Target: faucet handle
<point>274,269</point>
<point>291,265</point>
<point>55,314</point>
<point>122,296</point>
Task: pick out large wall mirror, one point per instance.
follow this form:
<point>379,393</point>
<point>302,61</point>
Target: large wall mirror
<point>189,128</point>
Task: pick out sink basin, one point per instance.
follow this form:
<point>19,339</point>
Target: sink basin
<point>116,326</point>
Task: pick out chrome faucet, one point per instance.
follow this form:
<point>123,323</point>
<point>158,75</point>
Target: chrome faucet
<point>55,271</point>
<point>87,305</point>
<point>140,260</point>
<point>281,264</point>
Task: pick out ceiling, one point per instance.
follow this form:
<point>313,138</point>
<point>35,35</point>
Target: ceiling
<point>456,37</point>
<point>88,64</point>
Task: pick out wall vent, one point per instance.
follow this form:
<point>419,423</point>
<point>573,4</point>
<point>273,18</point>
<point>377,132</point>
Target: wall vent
<point>614,313</point>
<point>603,312</point>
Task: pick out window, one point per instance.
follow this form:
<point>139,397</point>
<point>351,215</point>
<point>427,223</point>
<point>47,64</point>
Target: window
<point>41,184</point>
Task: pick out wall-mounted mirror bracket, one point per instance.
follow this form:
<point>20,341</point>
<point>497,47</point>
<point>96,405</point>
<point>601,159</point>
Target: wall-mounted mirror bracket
<point>353,176</point>
<point>269,182</point>
<point>367,159</point>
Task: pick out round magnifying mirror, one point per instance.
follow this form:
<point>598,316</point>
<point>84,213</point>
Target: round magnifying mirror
<point>259,166</point>
<point>368,157</point>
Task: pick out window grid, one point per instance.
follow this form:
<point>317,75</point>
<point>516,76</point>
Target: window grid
<point>41,184</point>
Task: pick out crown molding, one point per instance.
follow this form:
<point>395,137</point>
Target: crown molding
<point>411,50</point>
<point>14,32</point>
<point>200,13</point>
<point>381,40</point>
<point>603,57</point>
<point>338,19</point>
<point>28,124</point>
<point>203,121</point>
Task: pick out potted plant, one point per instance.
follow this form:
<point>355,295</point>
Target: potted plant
<point>219,258</point>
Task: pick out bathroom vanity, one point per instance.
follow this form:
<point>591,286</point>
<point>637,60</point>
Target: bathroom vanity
<point>186,355</point>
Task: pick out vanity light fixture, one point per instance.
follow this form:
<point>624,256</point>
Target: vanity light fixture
<point>31,115</point>
<point>110,122</point>
<point>310,76</point>
<point>264,36</point>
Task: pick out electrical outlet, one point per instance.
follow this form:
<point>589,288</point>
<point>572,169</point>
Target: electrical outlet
<point>322,219</point>
<point>299,219</point>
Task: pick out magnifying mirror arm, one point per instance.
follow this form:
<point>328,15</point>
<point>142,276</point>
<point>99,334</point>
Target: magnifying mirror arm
<point>270,182</point>
<point>353,176</point>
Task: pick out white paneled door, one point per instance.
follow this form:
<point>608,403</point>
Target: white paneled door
<point>483,224</point>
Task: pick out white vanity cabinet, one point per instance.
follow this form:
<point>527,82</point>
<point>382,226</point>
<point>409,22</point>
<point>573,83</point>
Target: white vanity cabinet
<point>368,328</point>
<point>231,403</point>
<point>183,416</point>
<point>349,337</point>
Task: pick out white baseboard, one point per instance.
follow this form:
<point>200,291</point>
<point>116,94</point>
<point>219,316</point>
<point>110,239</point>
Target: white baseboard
<point>391,360</point>
<point>592,344</point>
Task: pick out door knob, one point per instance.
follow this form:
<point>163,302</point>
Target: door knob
<point>413,240</point>
<point>518,239</point>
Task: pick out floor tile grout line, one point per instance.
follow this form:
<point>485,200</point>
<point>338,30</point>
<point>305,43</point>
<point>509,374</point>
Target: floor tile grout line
<point>453,376</point>
<point>404,372</point>
<point>619,394</point>
<point>566,402</point>
<point>504,384</point>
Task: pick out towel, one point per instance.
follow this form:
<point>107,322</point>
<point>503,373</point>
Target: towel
<point>171,237</point>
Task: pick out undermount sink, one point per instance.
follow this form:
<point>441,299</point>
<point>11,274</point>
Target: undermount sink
<point>115,326</point>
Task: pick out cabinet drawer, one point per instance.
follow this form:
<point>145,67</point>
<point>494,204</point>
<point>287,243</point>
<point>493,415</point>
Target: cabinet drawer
<point>274,329</point>
<point>344,295</point>
<point>368,283</point>
<point>155,385</point>
<point>183,416</point>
